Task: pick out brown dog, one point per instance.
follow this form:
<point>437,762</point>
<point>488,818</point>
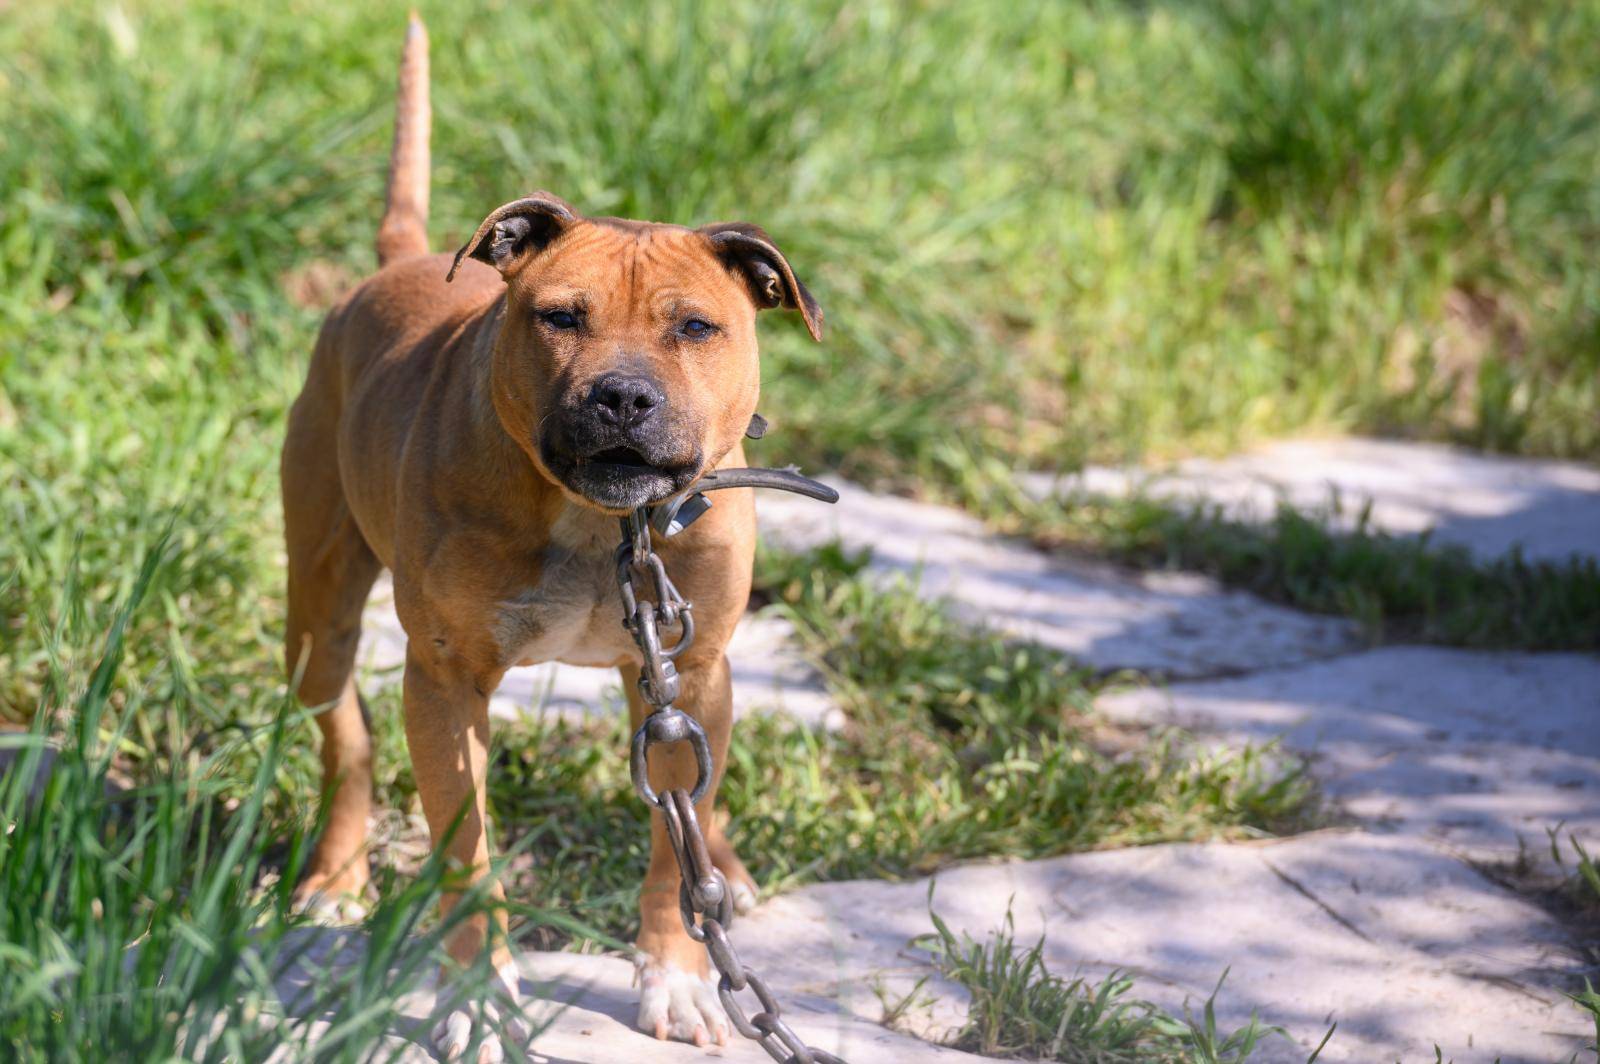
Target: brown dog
<point>475,425</point>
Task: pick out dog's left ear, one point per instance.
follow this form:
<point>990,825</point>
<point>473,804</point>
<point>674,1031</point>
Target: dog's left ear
<point>513,231</point>
<point>750,253</point>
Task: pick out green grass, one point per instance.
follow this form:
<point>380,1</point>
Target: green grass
<point>1580,890</point>
<point>1019,1009</point>
<point>1064,230</point>
<point>1583,881</point>
<point>153,920</point>
<point>1588,1001</point>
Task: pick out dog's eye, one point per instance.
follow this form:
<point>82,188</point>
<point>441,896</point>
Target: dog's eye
<point>696,329</point>
<point>560,319</point>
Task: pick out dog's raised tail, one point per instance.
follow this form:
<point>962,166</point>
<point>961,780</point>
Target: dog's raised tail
<point>404,230</point>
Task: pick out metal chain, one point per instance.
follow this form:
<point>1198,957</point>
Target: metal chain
<point>702,891</point>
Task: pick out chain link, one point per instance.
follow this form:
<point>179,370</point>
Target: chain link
<point>704,901</point>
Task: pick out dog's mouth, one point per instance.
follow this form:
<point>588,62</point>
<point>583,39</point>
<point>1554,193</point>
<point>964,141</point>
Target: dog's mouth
<point>621,459</point>
<point>620,477</point>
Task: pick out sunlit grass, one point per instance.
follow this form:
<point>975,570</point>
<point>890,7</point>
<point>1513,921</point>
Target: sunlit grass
<point>152,918</point>
<point>1583,876</point>
<point>1021,1010</point>
<point>1063,230</point>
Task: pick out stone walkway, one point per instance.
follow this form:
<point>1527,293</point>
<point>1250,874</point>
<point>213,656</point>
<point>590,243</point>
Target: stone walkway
<point>1399,941</point>
<point>1167,624</point>
<point>584,1006</point>
<point>1438,760</point>
<point>1469,749</point>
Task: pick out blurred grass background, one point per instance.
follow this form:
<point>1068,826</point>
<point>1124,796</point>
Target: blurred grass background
<point>1044,233</point>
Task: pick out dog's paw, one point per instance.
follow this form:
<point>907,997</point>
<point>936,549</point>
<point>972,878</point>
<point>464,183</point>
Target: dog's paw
<point>744,896</point>
<point>679,1005</point>
<point>495,1020</point>
<point>330,906</point>
<point>452,1036</point>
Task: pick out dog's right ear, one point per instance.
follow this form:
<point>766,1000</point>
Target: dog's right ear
<point>515,231</point>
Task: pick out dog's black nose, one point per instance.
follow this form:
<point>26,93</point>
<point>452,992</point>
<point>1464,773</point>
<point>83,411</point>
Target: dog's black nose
<point>619,399</point>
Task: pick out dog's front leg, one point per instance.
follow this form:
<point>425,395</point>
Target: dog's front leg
<point>677,998</point>
<point>447,731</point>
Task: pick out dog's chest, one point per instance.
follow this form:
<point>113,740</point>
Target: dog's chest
<point>572,612</point>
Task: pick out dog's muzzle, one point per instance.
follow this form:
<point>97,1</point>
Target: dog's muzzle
<point>619,447</point>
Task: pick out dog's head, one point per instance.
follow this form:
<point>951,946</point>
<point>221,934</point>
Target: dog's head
<point>626,363</point>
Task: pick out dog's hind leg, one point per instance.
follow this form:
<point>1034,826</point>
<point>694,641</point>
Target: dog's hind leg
<point>331,570</point>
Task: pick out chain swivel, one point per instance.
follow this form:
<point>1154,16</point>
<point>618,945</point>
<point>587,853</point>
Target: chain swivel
<point>669,725</point>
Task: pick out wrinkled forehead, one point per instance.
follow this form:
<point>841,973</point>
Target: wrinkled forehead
<point>613,264</point>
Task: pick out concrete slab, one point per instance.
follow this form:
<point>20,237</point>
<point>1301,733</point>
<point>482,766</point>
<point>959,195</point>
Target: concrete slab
<point>1469,748</point>
<point>1178,625</point>
<point>1396,940</point>
<point>1484,503</point>
<point>583,1006</point>
<point>597,1003</point>
<point>769,672</point>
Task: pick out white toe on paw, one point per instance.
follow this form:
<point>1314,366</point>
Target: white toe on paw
<point>331,901</point>
<point>744,897</point>
<point>498,1022</point>
<point>679,1005</point>
<point>334,909</point>
<point>453,1034</point>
